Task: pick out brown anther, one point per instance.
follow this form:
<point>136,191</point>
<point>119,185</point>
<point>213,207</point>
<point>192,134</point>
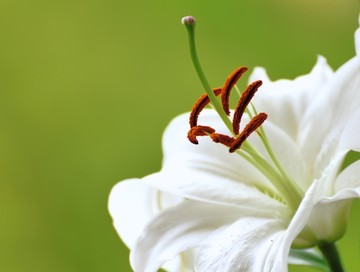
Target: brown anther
<point>228,85</point>
<point>223,139</point>
<point>199,105</point>
<point>243,103</point>
<point>199,131</point>
<point>249,128</point>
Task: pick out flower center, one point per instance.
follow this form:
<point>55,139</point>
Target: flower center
<point>288,191</point>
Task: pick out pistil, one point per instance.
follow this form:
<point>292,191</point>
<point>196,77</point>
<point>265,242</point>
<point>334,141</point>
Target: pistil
<point>288,191</point>
<point>190,23</point>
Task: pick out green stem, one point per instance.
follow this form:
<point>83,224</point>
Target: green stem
<point>331,254</point>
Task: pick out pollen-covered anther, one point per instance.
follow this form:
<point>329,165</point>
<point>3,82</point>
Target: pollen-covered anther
<point>244,101</point>
<point>252,126</point>
<point>199,131</point>
<point>228,85</point>
<point>199,105</point>
<point>222,138</point>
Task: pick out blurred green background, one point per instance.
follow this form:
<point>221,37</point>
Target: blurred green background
<point>87,88</point>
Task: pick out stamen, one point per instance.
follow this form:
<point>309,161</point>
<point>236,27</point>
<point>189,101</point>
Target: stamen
<point>222,138</point>
<point>199,131</point>
<point>228,85</point>
<point>249,128</point>
<point>199,105</point>
<point>243,103</point>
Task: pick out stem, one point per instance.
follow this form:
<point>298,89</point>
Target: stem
<point>331,254</point>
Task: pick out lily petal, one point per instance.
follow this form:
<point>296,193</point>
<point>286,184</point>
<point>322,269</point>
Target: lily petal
<point>287,152</point>
<point>329,114</point>
<point>255,244</point>
<point>176,230</point>
<point>332,203</point>
<point>349,138</point>
<point>349,178</point>
<point>243,246</point>
<point>211,188</point>
<point>285,101</point>
<point>132,205</point>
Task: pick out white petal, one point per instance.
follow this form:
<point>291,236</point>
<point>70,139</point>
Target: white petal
<point>331,204</point>
<point>285,101</point>
<point>243,246</point>
<point>287,152</point>
<point>255,244</point>
<point>329,217</point>
<point>132,204</point>
<point>349,138</point>
<point>300,219</point>
<point>208,187</point>
<point>349,178</point>
<point>329,114</point>
<point>176,230</point>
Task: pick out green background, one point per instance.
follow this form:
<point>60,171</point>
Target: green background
<point>87,88</point>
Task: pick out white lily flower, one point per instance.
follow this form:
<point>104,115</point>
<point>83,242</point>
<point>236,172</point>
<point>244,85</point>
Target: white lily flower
<point>210,210</point>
